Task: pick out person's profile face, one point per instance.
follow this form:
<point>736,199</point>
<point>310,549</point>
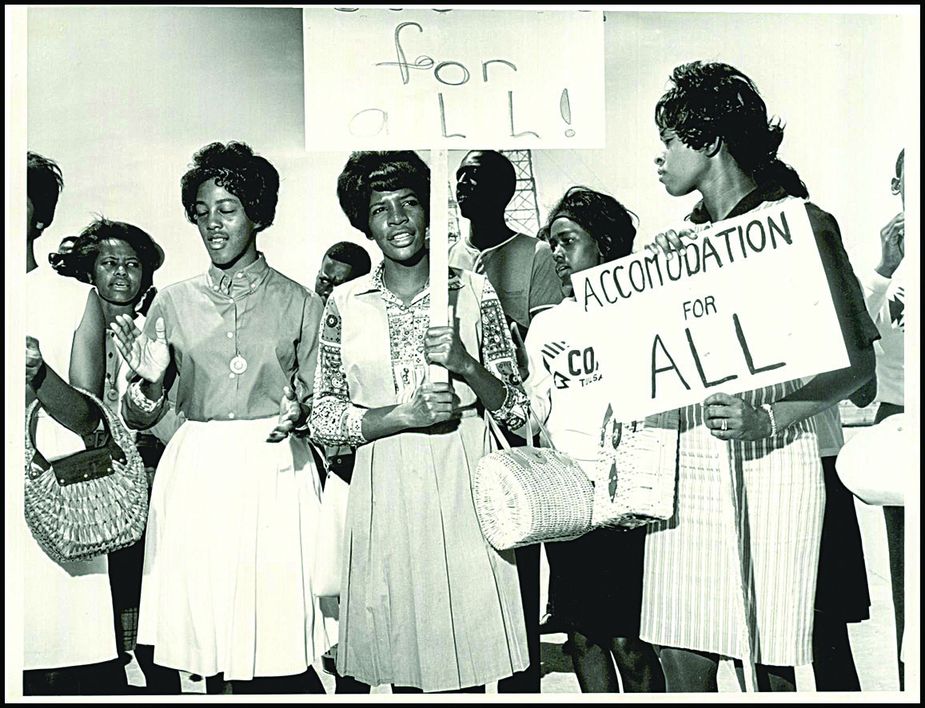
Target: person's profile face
<point>227,232</point>
<point>397,223</point>
<point>479,185</point>
<point>573,250</point>
<point>117,272</point>
<point>680,168</point>
<point>331,274</point>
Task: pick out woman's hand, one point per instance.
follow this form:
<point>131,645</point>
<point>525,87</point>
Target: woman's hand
<point>149,358</point>
<point>34,359</point>
<point>442,346</point>
<point>290,411</point>
<point>432,403</point>
<point>670,241</point>
<point>892,245</point>
<point>731,418</point>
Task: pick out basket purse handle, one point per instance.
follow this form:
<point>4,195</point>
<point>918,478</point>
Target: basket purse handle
<point>531,415</point>
<point>115,452</point>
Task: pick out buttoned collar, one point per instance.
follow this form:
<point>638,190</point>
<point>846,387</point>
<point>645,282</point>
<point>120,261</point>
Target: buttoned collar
<point>770,192</point>
<point>377,285</point>
<point>244,282</point>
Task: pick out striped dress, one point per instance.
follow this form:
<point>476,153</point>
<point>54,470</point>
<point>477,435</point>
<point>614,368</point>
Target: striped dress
<point>734,571</point>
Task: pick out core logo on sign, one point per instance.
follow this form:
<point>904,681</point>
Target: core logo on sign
<point>569,364</point>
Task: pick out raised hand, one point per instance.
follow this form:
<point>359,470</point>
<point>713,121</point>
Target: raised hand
<point>149,358</point>
<point>34,359</point>
<point>432,403</point>
<point>442,346</point>
<point>892,245</point>
<point>289,413</point>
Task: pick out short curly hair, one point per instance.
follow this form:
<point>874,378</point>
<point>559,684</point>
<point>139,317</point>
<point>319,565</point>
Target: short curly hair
<point>351,254</point>
<point>605,219</point>
<point>711,100</point>
<point>380,171</point>
<point>236,168</point>
<point>82,259</point>
<point>44,183</point>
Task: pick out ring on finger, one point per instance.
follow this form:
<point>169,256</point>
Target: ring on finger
<point>724,425</point>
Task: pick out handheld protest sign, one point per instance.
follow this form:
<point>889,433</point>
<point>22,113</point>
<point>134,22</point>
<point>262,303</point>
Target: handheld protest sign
<point>438,252</point>
<point>744,306</point>
<point>416,77</point>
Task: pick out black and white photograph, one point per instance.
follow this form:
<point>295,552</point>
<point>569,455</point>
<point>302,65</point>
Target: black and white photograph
<point>456,349</point>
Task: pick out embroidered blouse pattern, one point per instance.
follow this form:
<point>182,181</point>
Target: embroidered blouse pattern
<point>337,421</point>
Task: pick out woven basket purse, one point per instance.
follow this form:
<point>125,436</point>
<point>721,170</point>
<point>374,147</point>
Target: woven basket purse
<point>91,502</point>
<point>527,495</point>
<point>634,480</point>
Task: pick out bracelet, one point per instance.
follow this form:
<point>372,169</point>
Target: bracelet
<point>766,407</point>
<point>145,404</point>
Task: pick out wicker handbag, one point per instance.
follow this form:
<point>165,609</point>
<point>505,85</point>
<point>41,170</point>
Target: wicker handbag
<point>634,480</point>
<point>88,503</point>
<point>527,495</point>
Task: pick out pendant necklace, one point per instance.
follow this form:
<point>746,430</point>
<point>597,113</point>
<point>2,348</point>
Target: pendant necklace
<point>238,363</point>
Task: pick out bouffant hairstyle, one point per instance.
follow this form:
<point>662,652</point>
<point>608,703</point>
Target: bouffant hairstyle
<point>353,255</point>
<point>82,259</point>
<point>605,219</point>
<point>380,171</point>
<point>44,183</point>
<point>710,100</point>
<point>235,168</point>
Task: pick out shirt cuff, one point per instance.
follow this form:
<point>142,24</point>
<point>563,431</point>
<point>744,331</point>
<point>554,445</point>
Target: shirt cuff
<point>353,426</point>
<point>876,282</point>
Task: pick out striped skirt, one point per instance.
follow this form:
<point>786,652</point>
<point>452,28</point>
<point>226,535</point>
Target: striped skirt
<point>734,571</point>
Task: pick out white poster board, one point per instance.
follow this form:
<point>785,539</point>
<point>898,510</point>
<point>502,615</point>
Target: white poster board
<point>378,78</point>
<point>747,305</point>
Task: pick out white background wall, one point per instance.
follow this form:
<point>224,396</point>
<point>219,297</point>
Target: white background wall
<point>121,97</point>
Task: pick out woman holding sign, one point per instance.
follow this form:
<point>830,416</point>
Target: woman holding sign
<point>426,603</point>
<point>596,579</point>
<point>734,572</point>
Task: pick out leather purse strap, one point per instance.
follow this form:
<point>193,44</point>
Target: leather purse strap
<point>115,452</point>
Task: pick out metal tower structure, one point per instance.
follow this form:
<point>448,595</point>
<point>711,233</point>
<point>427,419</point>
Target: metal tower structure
<point>523,213</point>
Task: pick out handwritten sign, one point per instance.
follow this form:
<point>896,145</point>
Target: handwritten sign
<point>747,305</point>
<point>415,78</point>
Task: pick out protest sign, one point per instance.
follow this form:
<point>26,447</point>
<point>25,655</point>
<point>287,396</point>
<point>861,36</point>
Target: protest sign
<point>378,78</point>
<point>746,305</point>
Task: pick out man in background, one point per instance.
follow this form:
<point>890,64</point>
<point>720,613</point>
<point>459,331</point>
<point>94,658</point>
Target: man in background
<point>342,262</point>
<point>521,269</point>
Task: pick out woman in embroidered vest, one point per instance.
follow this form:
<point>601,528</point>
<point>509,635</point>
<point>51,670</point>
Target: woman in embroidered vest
<point>763,547</point>
<point>426,604</point>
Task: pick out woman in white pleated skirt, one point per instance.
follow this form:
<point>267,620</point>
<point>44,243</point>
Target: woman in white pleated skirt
<point>226,591</point>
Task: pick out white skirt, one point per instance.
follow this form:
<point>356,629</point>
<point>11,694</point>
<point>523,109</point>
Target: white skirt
<point>226,584</point>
